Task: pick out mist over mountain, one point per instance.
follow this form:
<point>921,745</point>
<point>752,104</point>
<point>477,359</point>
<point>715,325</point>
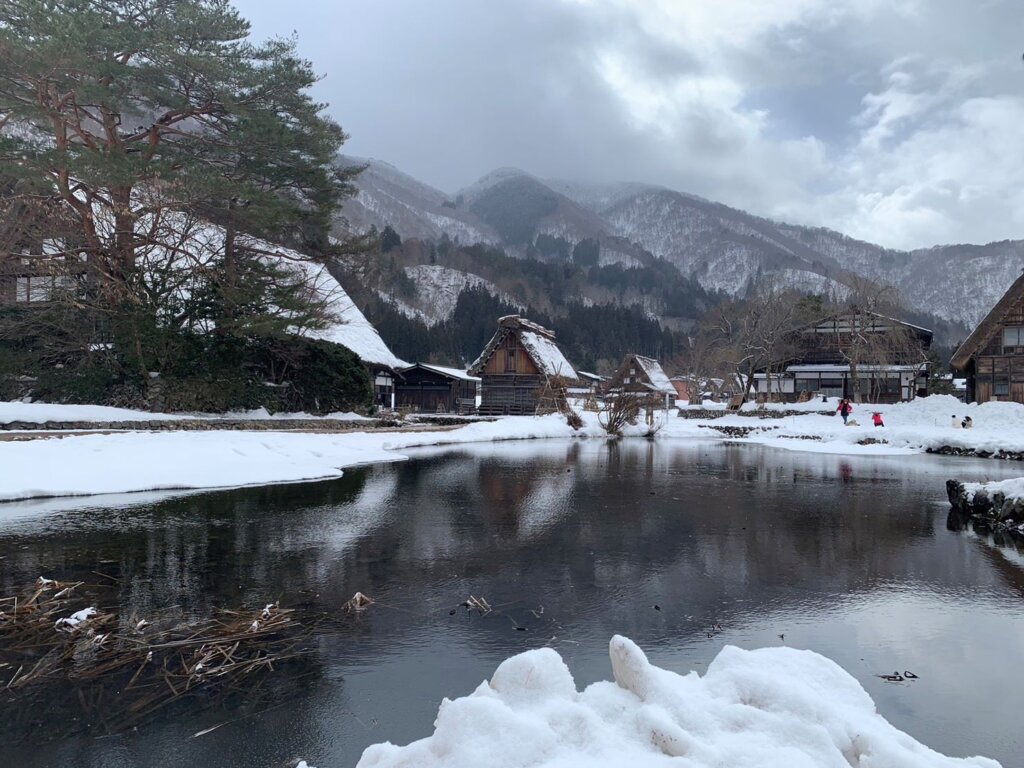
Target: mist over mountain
<point>706,248</point>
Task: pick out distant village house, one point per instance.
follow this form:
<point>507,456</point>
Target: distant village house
<point>436,389</point>
<point>888,354</point>
<point>992,357</point>
<point>521,367</point>
<point>644,376</point>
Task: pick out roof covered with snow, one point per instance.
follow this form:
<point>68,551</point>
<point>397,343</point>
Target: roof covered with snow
<point>539,343</point>
<point>547,355</point>
<point>837,368</point>
<point>454,373</point>
<point>655,374</point>
<point>348,326</point>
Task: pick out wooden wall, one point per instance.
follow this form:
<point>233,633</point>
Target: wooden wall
<point>524,363</point>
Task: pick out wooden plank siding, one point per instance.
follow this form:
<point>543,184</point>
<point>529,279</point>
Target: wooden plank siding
<point>998,371</point>
<point>431,392</point>
<point>511,381</point>
<point>510,358</point>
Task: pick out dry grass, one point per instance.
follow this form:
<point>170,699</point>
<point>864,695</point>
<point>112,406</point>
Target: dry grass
<point>123,669</point>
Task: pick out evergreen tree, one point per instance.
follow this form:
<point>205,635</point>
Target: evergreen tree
<point>132,113</point>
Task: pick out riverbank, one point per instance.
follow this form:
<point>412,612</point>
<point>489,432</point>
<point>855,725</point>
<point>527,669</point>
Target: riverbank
<point>206,451</point>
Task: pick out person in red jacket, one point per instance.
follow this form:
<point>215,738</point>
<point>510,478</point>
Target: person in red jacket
<point>876,417</point>
<point>844,409</point>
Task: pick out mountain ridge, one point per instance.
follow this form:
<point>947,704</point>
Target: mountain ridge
<point>724,249</point>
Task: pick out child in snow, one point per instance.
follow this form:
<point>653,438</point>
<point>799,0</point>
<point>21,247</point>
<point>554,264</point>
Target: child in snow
<point>844,409</point>
<point>876,417</point>
<point>968,422</point>
<point>956,422</point>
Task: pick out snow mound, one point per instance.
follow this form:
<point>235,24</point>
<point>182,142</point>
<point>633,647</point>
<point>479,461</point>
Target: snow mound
<point>769,708</point>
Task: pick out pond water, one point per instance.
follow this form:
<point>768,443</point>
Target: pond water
<point>570,542</point>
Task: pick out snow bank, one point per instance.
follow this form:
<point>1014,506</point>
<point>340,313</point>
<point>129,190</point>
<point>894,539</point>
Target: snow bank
<point>914,427</point>
<point>79,465</point>
<point>1012,489</point>
<point>769,708</point>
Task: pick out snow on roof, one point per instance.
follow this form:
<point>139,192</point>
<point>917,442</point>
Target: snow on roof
<point>836,368</point>
<point>547,355</point>
<point>455,373</point>
<point>350,328</point>
<point>202,245</point>
<point>655,374</point>
<point>538,341</point>
<point>590,376</point>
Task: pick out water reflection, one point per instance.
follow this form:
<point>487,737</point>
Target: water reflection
<point>572,542</point>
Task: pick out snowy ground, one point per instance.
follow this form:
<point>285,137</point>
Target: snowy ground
<point>767,708</point>
<point>909,427</point>
<point>144,461</point>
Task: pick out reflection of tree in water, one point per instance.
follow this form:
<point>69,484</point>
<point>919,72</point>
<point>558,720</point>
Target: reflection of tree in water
<point>596,532</point>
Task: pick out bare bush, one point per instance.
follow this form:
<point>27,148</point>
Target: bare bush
<point>619,410</point>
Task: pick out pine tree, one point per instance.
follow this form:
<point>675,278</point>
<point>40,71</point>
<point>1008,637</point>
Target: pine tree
<point>133,113</point>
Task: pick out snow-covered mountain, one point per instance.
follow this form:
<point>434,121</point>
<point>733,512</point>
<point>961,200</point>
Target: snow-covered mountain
<point>723,248</point>
<point>437,291</point>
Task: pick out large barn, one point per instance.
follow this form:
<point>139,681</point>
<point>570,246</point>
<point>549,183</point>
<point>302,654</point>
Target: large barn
<point>520,366</point>
<point>992,357</point>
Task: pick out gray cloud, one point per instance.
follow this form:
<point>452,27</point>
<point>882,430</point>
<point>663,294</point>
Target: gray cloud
<point>897,121</point>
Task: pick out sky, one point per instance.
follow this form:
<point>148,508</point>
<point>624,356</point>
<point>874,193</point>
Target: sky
<point>900,122</point>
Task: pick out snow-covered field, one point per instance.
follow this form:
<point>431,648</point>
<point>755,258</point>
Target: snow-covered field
<point>144,461</point>
<point>909,427</point>
<point>767,708</point>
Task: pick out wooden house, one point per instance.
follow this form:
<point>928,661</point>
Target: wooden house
<point>520,367</point>
<point>891,367</point>
<point>992,357</point>
<point>436,389</point>
<point>641,375</point>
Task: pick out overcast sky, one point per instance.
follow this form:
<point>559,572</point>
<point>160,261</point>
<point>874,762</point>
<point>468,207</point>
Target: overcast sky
<point>897,121</point>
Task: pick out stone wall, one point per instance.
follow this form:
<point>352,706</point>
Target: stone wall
<point>992,510</point>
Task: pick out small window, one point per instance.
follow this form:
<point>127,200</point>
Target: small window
<point>1013,339</point>
<point>510,361</point>
<point>626,380</point>
<point>1001,385</point>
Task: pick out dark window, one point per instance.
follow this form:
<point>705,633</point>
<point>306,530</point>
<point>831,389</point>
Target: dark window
<point>510,361</point>
<point>1013,340</point>
<point>806,385</point>
<point>1001,385</point>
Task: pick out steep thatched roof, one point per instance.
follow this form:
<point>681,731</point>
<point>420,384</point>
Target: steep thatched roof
<point>538,342</point>
<point>987,327</point>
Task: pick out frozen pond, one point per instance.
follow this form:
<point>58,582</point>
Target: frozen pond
<point>571,542</point>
